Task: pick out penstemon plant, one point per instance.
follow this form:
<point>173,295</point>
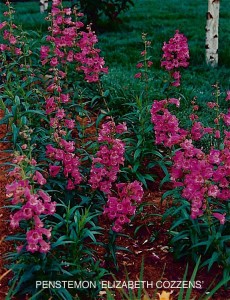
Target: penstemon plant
<point>141,155</point>
<point>59,182</point>
<point>200,174</point>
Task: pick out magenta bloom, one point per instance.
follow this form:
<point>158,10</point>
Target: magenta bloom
<point>138,75</point>
<point>220,217</point>
<point>109,157</point>
<point>54,170</point>
<point>39,178</point>
<point>175,56</point>
<point>228,96</point>
<point>120,208</point>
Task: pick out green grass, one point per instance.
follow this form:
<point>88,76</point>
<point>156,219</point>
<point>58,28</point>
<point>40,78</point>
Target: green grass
<point>121,45</point>
<point>121,48</point>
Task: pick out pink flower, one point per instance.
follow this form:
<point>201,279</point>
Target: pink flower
<point>70,124</point>
<point>39,178</point>
<point>17,51</point>
<point>60,114</point>
<point>65,98</point>
<point>45,197</point>
<point>44,246</point>
<point>68,146</point>
<point>176,55</point>
<point>220,217</point>
<point>121,128</point>
<point>149,63</point>
<point>32,248</point>
<point>26,213</point>
<point>54,170</point>
<point>109,157</point>
<point>138,75</point>
<point>228,96</point>
<point>120,208</point>
<point>214,157</point>
<point>213,191</point>
<point>174,101</point>
<point>3,47</point>
<point>217,134</point>
<point>226,118</point>
<point>139,65</point>
<point>54,62</point>
<point>44,52</point>
<point>70,185</point>
<point>117,227</point>
<point>211,104</point>
<point>33,236</point>
<point>3,24</point>
<point>12,40</point>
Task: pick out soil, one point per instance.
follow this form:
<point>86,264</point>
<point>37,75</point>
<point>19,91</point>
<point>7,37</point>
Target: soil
<point>5,230</point>
<point>159,263</point>
<point>150,243</point>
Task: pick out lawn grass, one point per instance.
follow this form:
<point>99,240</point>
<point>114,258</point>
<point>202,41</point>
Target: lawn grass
<point>121,45</point>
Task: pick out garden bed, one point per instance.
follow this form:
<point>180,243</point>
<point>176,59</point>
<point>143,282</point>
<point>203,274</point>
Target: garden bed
<point>111,179</point>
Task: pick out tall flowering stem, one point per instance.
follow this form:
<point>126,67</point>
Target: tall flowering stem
<point>145,63</point>
<point>175,56</point>
<point>110,156</point>
<point>122,197</point>
<point>69,47</point>
<point>26,191</point>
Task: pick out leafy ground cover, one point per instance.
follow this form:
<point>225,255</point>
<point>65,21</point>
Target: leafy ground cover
<point>38,110</point>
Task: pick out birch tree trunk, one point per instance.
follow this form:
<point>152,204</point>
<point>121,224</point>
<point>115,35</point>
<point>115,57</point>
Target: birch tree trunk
<point>212,25</point>
<point>43,5</point>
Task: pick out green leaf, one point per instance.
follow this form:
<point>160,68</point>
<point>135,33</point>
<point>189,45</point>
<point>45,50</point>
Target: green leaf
<point>36,112</point>
<point>192,279</point>
<point>213,259</point>
<point>99,118</point>
<point>217,287</point>
<point>137,154</point>
<point>142,179</point>
<point>17,100</point>
<point>180,296</point>
<point>167,194</point>
<point>149,177</point>
<point>15,132</point>
<point>106,93</point>
<point>61,241</point>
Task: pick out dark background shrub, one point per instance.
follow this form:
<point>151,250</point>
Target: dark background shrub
<point>94,9</point>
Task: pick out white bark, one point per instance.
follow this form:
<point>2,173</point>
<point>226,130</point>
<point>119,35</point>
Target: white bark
<point>212,37</point>
<point>43,5</point>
